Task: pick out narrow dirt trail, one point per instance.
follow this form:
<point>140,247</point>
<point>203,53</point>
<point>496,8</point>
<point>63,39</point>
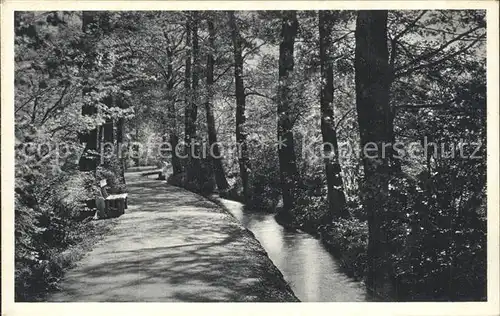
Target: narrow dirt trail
<point>174,245</point>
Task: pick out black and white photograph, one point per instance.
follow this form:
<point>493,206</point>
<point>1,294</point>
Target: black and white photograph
<point>247,155</point>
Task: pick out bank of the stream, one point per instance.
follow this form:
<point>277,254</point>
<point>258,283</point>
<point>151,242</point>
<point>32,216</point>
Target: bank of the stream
<point>314,274</point>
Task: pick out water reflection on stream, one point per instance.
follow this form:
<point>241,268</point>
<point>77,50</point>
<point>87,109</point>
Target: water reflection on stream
<point>312,272</point>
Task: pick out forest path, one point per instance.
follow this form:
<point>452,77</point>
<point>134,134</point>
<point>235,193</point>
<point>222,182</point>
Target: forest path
<point>173,245</point>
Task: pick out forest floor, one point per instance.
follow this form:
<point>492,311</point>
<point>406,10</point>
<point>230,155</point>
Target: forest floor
<point>174,245</point>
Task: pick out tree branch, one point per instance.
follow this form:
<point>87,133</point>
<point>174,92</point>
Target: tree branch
<point>342,37</point>
<point>440,49</point>
<point>37,95</point>
<point>343,118</point>
<point>252,50</point>
<point>59,101</point>
<point>412,24</point>
<point>224,72</point>
<point>428,65</point>
<point>423,105</point>
<point>253,92</point>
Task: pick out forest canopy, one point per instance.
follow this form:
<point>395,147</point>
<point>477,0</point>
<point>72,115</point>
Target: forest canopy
<point>278,108</point>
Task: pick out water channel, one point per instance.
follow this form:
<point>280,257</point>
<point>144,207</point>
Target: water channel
<point>312,272</point>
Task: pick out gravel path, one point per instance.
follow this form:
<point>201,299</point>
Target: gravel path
<point>174,245</point>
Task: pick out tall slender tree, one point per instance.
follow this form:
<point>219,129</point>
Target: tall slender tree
<point>188,125</point>
<point>372,78</point>
<point>88,160</point>
<point>241,134</point>
<point>336,197</point>
<point>286,151</point>
<point>120,133</point>
<point>172,118</point>
<point>193,168</point>
<point>195,73</point>
<point>220,176</point>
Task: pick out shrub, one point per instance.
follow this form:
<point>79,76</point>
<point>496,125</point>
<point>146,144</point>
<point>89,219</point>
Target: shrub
<point>46,210</point>
<point>177,179</point>
<point>438,247</point>
<point>265,194</point>
<point>264,182</point>
<point>112,171</point>
<point>310,212</point>
<point>348,239</point>
<point>39,272</point>
<point>48,205</point>
<point>198,177</point>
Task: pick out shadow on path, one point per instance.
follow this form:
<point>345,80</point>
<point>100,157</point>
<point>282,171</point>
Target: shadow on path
<point>174,245</point>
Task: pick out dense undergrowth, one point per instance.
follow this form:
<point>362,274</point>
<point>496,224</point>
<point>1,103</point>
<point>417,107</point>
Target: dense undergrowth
<point>38,273</point>
<point>437,251</point>
<point>54,225</point>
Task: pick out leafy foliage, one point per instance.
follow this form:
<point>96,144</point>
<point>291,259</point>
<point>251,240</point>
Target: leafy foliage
<point>131,66</point>
<point>54,64</point>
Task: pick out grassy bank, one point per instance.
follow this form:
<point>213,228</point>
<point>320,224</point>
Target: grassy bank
<point>272,286</point>
<point>38,277</point>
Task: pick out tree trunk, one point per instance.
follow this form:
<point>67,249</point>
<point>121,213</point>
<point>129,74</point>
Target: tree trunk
<point>286,152</point>
<point>108,135</point>
<point>137,159</point>
<point>193,168</point>
<point>215,155</point>
<point>88,161</point>
<point>375,125</point>
<point>188,126</point>
<point>172,118</point>
<point>241,135</point>
<point>336,197</point>
<point>120,132</point>
<point>195,73</point>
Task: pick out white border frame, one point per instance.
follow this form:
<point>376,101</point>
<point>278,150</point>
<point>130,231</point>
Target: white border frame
<point>9,307</point>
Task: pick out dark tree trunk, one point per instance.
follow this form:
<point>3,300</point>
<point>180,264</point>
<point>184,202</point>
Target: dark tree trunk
<point>172,118</point>
<point>372,76</point>
<point>94,138</point>
<point>137,159</point>
<point>191,79</point>
<point>215,155</point>
<point>286,151</point>
<point>88,161</point>
<point>120,131</point>
<point>195,73</point>
<point>194,168</point>
<point>188,125</point>
<point>241,136</point>
<point>336,197</point>
<point>108,135</point>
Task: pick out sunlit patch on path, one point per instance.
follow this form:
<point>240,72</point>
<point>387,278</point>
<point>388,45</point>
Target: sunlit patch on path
<point>173,245</point>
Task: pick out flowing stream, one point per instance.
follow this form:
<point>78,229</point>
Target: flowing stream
<point>312,272</point>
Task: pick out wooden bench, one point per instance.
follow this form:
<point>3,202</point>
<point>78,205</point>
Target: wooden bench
<point>111,205</point>
<point>161,173</point>
<point>151,173</point>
